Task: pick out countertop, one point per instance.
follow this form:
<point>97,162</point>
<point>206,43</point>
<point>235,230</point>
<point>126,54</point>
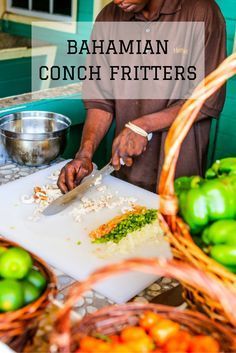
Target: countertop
<point>21,99</point>
<point>91,300</point>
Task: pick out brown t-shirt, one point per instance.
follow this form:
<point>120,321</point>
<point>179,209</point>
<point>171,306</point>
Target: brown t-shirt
<point>146,169</point>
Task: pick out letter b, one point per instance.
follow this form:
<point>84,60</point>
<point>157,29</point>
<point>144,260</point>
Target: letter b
<point>72,47</point>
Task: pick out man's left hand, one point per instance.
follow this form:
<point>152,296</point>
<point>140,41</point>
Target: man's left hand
<point>126,146</point>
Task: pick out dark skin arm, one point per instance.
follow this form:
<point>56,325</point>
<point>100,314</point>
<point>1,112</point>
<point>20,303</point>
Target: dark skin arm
<point>128,145</point>
<point>95,128</point>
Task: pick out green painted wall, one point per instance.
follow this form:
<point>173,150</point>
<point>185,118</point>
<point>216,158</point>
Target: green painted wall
<point>225,144</point>
<point>15,75</point>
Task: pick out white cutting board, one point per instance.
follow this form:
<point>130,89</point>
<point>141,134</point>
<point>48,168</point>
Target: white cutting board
<point>5,349</point>
<point>55,238</point>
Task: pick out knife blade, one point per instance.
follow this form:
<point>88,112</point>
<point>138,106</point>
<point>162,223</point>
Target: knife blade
<point>64,201</point>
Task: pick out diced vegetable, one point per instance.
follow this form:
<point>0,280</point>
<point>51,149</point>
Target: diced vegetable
<point>128,225</point>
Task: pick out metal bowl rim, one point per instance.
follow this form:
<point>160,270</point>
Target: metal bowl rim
<point>33,136</point>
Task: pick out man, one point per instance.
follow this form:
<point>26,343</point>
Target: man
<point>144,159</point>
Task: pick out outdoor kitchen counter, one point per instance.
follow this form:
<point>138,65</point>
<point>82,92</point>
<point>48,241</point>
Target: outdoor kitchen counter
<point>92,300</point>
<point>51,93</point>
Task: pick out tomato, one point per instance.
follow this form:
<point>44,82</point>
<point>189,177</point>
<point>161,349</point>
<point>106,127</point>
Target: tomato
<point>103,347</point>
<point>163,330</point>
<point>99,346</point>
<point>148,319</point>
<point>179,343</point>
<point>142,345</point>
<point>133,334</point>
<point>120,348</point>
<point>115,339</point>
<point>204,344</point>
<point>90,345</point>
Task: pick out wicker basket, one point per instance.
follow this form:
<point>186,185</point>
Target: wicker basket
<point>66,336</point>
<point>182,244</point>
<point>20,326</point>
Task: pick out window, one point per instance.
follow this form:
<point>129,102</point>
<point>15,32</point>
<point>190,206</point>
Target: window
<point>57,10</point>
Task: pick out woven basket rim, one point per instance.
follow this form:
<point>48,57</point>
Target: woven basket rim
<point>131,306</point>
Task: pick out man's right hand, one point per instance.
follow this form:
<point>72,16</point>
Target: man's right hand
<point>73,173</point>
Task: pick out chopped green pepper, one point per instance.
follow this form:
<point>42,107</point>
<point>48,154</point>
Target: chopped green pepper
<point>128,225</point>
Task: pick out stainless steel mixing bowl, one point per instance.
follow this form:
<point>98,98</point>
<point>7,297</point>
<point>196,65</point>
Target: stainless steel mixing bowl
<point>34,138</point>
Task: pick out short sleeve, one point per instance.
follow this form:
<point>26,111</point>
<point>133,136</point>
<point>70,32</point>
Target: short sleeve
<point>102,104</point>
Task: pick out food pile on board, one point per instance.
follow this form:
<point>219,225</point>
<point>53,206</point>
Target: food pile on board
<point>208,206</point>
<point>152,334</point>
<point>20,282</point>
<point>126,233</point>
<point>120,226</point>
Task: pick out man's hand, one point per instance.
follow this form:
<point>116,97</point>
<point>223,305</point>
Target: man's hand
<point>127,145</point>
<point>73,173</point>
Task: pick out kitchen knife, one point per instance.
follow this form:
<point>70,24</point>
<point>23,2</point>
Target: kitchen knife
<point>64,201</point>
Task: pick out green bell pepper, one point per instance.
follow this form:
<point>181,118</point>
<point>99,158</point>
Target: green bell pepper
<point>224,254</point>
<point>223,167</point>
<point>207,201</point>
<point>221,240</point>
<point>220,232</point>
<point>186,183</point>
<point>231,268</point>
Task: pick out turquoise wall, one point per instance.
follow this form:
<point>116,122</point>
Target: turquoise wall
<point>225,144</point>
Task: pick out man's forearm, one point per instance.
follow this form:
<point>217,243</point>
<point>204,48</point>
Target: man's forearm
<point>161,120</point>
<point>96,126</point>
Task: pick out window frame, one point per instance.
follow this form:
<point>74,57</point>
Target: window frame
<point>39,14</point>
